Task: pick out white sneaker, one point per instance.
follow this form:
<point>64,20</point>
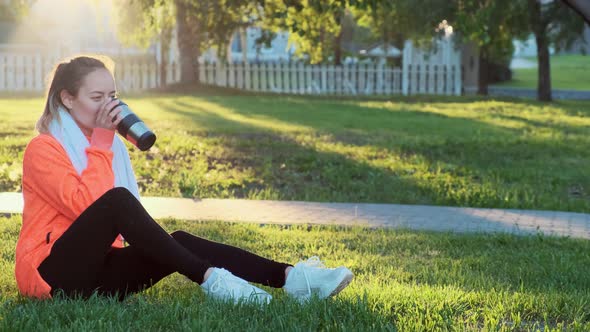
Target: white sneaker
<point>311,277</point>
<point>223,285</point>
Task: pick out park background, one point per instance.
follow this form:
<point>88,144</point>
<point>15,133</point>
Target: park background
<point>398,102</point>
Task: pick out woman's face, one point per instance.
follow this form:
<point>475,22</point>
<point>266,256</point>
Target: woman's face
<point>98,87</point>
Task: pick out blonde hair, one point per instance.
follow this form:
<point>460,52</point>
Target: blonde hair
<point>68,75</point>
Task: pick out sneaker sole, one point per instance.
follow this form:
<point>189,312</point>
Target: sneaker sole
<point>343,283</point>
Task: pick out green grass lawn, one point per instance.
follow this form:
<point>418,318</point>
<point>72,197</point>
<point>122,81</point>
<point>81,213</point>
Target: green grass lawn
<point>425,150</point>
<point>405,280</point>
<point>568,72</point>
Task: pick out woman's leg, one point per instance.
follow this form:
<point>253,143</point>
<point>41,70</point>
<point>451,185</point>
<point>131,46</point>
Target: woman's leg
<point>78,257</point>
<point>127,270</point>
<point>242,263</point>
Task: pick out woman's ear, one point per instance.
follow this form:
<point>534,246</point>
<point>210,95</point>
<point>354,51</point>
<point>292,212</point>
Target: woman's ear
<point>66,98</point>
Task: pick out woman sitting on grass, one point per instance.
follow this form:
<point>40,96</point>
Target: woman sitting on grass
<point>81,196</point>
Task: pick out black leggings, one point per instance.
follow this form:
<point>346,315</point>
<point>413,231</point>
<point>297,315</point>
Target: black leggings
<point>82,260</point>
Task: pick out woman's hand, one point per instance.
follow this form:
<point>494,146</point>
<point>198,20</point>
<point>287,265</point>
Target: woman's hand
<point>105,118</point>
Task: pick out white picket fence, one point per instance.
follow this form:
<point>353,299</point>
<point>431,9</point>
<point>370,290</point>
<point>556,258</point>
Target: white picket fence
<point>437,71</point>
<point>24,72</point>
<point>304,79</point>
<point>363,79</point>
<point>27,71</point>
<point>142,75</point>
<point>433,73</point>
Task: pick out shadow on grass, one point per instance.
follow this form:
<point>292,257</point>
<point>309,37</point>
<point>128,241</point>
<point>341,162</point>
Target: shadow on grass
<point>459,147</point>
<point>347,119</point>
<point>560,128</point>
<point>205,90</point>
<point>295,171</point>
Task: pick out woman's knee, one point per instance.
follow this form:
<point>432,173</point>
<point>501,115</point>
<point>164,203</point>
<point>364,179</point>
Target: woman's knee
<point>179,235</point>
<point>185,238</point>
<point>118,192</point>
<point>118,200</point>
<point>117,195</point>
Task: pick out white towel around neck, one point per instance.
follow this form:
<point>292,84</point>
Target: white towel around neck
<point>70,136</point>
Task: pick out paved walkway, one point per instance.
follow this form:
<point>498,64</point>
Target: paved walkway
<point>418,217</point>
<point>532,93</point>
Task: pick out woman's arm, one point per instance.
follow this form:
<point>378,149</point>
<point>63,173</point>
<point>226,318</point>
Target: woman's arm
<point>48,171</point>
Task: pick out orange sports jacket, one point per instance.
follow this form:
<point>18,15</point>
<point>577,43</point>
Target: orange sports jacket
<point>54,196</point>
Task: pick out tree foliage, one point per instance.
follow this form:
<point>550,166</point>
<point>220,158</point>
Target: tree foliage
<point>562,24</point>
<point>552,23</point>
<point>314,26</point>
<point>491,25</point>
<point>139,23</point>
<point>14,10</point>
<point>200,25</point>
<point>395,21</point>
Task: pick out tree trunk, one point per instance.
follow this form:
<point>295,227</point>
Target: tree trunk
<point>338,42</point>
<point>188,43</point>
<point>544,72</point>
<point>165,39</point>
<point>482,80</point>
<point>539,27</point>
<point>244,41</point>
<point>338,49</point>
<point>228,58</point>
<point>385,45</point>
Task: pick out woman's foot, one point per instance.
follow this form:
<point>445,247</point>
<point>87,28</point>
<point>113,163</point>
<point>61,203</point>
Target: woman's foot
<point>311,278</point>
<point>221,284</point>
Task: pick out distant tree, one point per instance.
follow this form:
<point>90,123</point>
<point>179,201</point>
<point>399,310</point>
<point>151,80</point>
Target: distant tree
<point>553,23</point>
<point>143,22</point>
<point>383,19</point>
<point>200,25</point>
<point>14,10</point>
<point>394,21</point>
<point>314,26</point>
<point>491,26</point>
<point>317,27</point>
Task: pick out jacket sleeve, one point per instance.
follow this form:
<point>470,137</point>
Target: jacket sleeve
<point>48,171</point>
